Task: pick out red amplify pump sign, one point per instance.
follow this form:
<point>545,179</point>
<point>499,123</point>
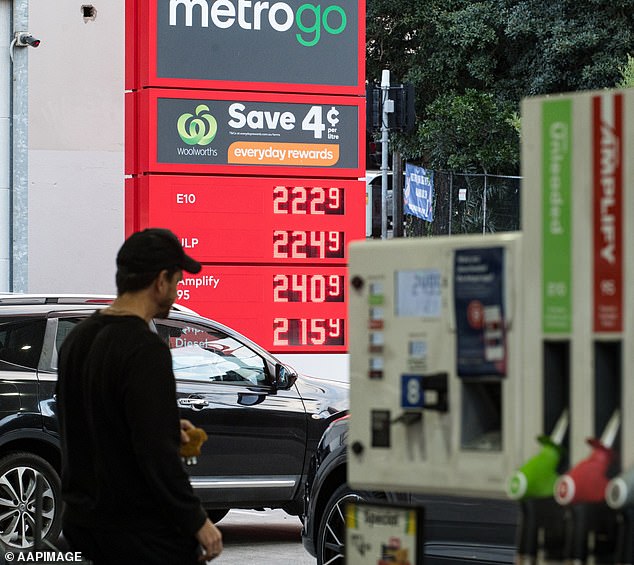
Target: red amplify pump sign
<point>607,172</point>
<point>279,46</point>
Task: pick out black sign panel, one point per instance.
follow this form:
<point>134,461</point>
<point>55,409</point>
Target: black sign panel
<point>260,41</point>
<point>257,133</point>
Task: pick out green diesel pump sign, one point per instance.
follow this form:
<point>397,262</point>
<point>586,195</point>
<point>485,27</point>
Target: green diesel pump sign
<point>556,214</point>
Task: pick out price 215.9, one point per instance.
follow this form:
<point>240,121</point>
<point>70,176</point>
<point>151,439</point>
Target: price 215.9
<point>308,331</point>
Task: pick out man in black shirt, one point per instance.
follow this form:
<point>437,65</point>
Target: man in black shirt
<point>127,497</point>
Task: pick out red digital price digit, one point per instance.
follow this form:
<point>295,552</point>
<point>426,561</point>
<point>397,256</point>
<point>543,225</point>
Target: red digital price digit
<point>280,244</point>
<point>335,329</point>
<point>280,288</point>
<point>317,244</point>
<point>317,288</point>
<point>335,244</point>
<point>299,288</point>
<point>335,202</point>
<point>280,200</point>
<point>335,287</point>
<point>298,200</point>
<point>280,331</point>
<point>299,241</point>
<point>317,200</point>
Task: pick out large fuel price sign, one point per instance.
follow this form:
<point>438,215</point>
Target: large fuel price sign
<point>274,251</point>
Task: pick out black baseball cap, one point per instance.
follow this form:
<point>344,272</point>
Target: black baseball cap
<point>152,250</point>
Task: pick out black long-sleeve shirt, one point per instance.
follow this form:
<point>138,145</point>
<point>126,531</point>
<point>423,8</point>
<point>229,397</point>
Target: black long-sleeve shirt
<point>120,430</point>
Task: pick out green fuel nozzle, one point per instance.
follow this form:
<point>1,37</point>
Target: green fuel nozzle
<point>537,477</point>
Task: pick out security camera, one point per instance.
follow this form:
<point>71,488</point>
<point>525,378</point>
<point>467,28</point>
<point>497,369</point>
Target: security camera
<point>25,39</point>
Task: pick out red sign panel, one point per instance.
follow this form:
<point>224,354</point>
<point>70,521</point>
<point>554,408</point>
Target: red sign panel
<point>252,220</point>
<point>282,308</point>
<point>283,46</point>
<point>274,251</point>
<point>607,172</point>
<point>238,133</point>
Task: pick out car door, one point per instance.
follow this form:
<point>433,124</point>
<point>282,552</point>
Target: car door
<point>257,434</point>
<point>20,346</point>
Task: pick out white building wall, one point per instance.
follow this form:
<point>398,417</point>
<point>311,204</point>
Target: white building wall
<point>76,141</point>
<point>5,140</point>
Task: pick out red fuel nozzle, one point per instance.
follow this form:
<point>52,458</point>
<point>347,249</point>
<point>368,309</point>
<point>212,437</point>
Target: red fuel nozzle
<point>587,480</point>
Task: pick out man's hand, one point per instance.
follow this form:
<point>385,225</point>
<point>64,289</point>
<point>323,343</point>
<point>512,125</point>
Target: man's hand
<point>185,425</point>
<point>210,540</point>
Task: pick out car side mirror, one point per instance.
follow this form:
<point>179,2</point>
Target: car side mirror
<point>284,377</point>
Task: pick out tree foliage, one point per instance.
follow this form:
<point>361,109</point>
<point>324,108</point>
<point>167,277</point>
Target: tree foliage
<point>473,61</point>
<point>627,74</point>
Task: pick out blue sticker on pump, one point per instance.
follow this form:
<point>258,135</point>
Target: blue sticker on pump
<point>412,392</point>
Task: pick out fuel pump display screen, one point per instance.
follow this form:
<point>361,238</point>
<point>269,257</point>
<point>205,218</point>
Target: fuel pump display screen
<point>418,293</point>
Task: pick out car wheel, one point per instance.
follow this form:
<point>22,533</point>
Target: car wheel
<point>331,539</point>
<point>18,473</point>
<point>217,514</point>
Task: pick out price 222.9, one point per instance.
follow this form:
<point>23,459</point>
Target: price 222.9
<point>297,244</point>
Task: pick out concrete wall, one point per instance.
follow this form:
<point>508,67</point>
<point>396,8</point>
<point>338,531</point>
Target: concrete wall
<point>76,138</point>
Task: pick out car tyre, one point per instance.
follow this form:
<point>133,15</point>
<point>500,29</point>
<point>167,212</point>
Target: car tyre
<point>331,538</point>
<point>217,514</point>
<point>18,472</point>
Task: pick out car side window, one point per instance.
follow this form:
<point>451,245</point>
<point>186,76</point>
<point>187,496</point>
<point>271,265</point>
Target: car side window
<point>64,326</point>
<point>208,355</point>
<point>21,343</point>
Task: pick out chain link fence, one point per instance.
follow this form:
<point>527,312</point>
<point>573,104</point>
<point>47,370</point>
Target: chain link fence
<point>469,203</point>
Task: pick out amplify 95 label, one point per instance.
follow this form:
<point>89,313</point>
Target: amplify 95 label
<point>225,132</point>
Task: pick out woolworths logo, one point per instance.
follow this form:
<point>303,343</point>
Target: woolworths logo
<point>310,19</point>
<point>197,130</point>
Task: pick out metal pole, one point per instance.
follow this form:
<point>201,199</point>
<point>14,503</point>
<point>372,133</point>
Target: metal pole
<point>388,106</point>
<point>397,194</point>
<point>19,207</point>
<point>484,205</point>
<point>450,200</point>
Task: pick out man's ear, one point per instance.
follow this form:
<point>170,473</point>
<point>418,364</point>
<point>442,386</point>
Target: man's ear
<point>161,279</point>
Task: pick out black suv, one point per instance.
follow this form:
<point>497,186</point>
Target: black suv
<point>457,530</point>
<point>263,421</point>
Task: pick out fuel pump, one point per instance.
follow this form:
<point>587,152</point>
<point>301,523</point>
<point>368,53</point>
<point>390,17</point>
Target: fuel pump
<point>578,228</point>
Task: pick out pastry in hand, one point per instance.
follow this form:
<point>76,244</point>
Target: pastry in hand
<point>190,451</point>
